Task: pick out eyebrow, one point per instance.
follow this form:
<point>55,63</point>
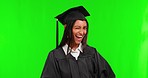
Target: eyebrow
<point>79,26</point>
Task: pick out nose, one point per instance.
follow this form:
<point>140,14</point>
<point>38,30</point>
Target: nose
<point>82,32</point>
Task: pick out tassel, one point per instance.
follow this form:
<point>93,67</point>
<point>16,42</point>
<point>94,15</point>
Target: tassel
<point>57,33</point>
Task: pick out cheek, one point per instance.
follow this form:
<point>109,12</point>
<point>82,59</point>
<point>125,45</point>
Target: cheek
<point>85,31</point>
<point>74,32</point>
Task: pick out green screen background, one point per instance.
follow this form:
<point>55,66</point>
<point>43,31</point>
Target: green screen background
<point>117,28</point>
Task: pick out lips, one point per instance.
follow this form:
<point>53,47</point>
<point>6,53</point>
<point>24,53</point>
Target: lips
<point>79,38</point>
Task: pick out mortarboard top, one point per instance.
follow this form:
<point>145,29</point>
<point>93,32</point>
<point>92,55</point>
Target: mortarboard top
<point>74,13</point>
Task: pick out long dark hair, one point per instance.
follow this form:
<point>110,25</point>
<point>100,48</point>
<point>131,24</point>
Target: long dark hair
<point>68,35</point>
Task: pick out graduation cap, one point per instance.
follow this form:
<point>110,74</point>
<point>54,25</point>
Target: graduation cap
<point>74,13</point>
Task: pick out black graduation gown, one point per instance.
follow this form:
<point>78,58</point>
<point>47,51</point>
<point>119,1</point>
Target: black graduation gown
<point>90,64</point>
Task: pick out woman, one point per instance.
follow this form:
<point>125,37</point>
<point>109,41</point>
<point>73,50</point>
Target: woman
<point>73,58</point>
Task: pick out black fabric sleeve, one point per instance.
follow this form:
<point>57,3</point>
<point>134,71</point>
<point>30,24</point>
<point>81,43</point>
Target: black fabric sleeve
<point>104,69</point>
<point>50,68</point>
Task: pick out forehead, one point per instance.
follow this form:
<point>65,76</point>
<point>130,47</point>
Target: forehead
<point>80,23</point>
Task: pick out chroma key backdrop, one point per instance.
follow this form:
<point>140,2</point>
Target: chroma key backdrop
<point>118,29</point>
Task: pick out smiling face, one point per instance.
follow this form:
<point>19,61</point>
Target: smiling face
<point>79,30</point>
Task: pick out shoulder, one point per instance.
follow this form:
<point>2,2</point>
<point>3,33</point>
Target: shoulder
<point>90,49</point>
<point>57,53</point>
<point>93,51</point>
<point>87,47</point>
<point>56,50</point>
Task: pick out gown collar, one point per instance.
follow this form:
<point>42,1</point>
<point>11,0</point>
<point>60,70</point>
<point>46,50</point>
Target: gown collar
<point>79,49</point>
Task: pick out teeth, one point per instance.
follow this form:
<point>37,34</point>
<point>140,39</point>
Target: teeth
<point>80,36</point>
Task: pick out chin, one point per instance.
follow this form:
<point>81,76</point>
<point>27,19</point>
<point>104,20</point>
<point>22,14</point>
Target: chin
<point>78,43</point>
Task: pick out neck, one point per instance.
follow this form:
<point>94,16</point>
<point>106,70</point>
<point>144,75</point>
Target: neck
<point>74,46</point>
